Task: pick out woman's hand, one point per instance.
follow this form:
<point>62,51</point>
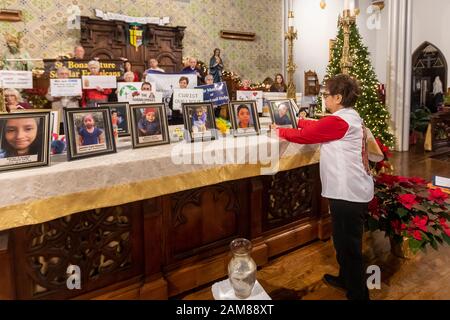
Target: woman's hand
<point>273,126</point>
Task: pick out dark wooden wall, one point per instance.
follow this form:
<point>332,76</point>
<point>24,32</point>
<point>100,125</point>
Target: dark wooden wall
<point>110,40</point>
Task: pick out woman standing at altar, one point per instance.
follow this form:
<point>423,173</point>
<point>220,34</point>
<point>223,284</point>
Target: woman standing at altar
<point>345,177</point>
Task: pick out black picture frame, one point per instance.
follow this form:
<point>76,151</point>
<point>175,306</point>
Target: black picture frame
<point>124,109</point>
<point>255,127</point>
<point>210,129</point>
<point>39,156</point>
<point>74,120</point>
<point>138,113</point>
<point>288,120</point>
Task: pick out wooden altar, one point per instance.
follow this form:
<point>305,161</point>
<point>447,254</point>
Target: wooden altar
<point>165,245</point>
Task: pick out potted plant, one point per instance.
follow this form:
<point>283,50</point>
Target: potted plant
<point>410,213</point>
<point>413,215</point>
<point>419,121</point>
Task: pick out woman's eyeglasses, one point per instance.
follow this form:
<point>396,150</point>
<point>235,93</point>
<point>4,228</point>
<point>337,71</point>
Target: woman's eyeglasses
<point>325,94</point>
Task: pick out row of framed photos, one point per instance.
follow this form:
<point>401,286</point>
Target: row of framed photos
<point>25,137</point>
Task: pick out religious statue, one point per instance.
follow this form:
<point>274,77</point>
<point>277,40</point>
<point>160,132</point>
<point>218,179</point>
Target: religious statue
<point>14,58</point>
<point>216,66</point>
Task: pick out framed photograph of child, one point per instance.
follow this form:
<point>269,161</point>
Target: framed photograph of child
<point>89,132</point>
<point>149,126</point>
<point>244,116</point>
<point>120,115</point>
<point>282,114</point>
<point>25,140</point>
<point>199,121</point>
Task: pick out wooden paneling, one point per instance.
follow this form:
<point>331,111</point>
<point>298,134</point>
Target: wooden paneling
<point>110,40</point>
<point>106,244</point>
<point>6,268</point>
<point>161,247</point>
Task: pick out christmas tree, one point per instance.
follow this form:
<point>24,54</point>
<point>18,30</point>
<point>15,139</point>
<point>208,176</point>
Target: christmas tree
<point>374,113</point>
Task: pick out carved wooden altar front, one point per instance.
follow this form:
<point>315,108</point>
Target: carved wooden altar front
<point>162,247</point>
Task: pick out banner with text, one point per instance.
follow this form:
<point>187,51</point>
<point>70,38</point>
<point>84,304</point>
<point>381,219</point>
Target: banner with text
<point>79,68</point>
<point>181,96</point>
<point>216,93</point>
<point>252,95</point>
<point>16,79</point>
<point>167,82</point>
<point>65,87</point>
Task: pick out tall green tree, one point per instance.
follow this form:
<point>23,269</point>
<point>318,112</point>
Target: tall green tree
<point>371,109</point>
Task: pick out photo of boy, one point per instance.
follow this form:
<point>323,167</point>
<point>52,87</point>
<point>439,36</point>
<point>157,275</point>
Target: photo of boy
<point>199,118</point>
<point>149,125</point>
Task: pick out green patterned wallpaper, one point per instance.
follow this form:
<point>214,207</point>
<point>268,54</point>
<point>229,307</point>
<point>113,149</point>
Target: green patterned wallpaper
<point>46,33</point>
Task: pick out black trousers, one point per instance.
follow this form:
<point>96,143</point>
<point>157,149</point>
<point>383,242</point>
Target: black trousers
<point>348,226</point>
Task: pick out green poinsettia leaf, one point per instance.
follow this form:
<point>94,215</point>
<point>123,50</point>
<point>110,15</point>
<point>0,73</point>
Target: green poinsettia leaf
<point>433,243</point>
<point>402,212</point>
<point>373,224</point>
<point>415,245</point>
<point>439,239</point>
<point>446,238</point>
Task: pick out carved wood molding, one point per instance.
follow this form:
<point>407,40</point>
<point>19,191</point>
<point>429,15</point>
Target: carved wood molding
<point>238,35</point>
<point>10,15</point>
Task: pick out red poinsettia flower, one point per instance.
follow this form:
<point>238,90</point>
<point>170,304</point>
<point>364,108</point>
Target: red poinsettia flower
<point>417,180</point>
<point>416,234</point>
<point>373,206</point>
<point>384,148</point>
<point>407,200</point>
<point>387,179</point>
<point>447,232</point>
<point>420,222</point>
<point>443,223</point>
<point>382,164</point>
<point>398,226</point>
<point>437,195</point>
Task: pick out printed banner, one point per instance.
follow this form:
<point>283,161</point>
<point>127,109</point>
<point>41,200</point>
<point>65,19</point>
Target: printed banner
<point>125,90</point>
<point>141,97</point>
<point>181,96</point>
<point>16,79</point>
<point>216,93</point>
<point>252,95</point>
<point>79,68</point>
<point>65,87</point>
<point>128,19</point>
<point>105,82</point>
<point>167,82</point>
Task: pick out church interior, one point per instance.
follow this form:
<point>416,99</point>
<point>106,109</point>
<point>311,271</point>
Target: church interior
<point>224,150</point>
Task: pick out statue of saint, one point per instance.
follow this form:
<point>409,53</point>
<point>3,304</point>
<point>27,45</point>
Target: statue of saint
<point>14,51</point>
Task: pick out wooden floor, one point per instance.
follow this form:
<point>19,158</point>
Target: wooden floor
<point>297,275</point>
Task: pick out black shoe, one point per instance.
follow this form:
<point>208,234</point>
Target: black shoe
<point>334,282</point>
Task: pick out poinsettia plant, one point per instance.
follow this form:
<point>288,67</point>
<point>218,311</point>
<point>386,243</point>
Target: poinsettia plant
<point>406,209</point>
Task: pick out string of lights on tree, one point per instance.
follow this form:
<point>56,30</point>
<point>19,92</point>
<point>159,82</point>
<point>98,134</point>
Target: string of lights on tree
<point>374,113</point>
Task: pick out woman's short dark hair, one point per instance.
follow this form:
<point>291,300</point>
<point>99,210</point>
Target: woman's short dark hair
<point>146,83</point>
<point>347,87</point>
<point>242,106</point>
<point>184,79</point>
